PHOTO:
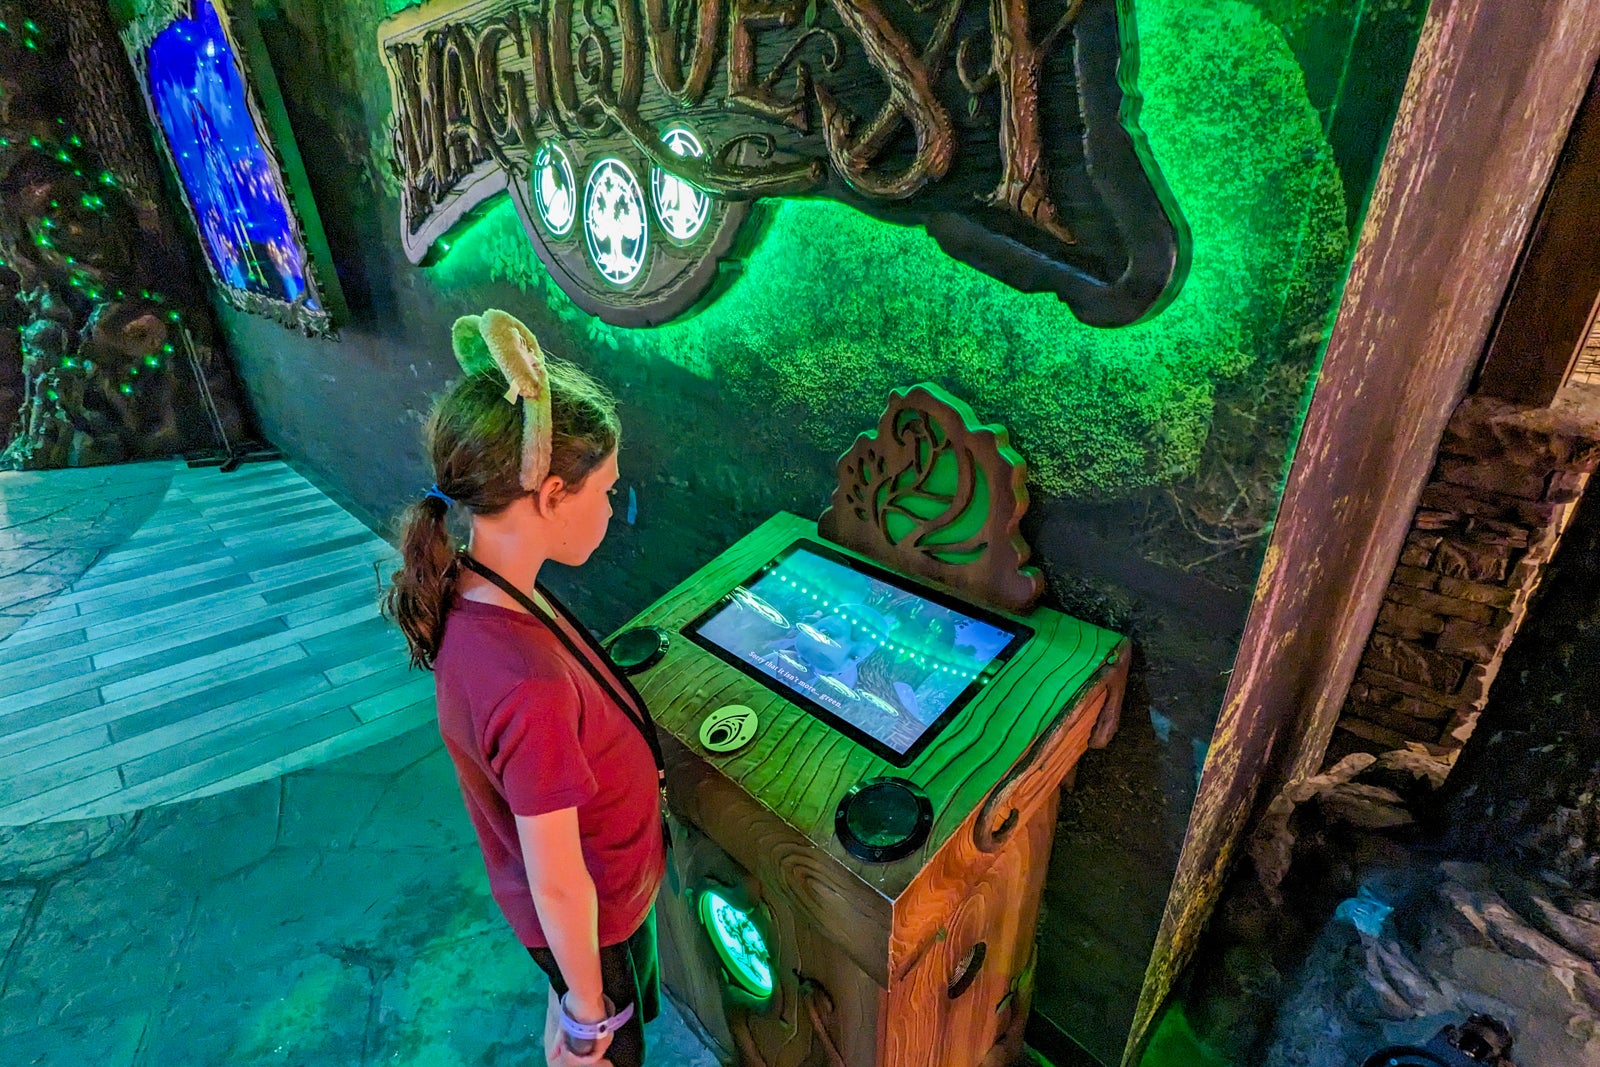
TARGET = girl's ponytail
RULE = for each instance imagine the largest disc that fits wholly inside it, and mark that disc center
(420, 592)
(474, 443)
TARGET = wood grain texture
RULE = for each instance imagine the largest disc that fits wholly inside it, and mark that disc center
(1000, 908)
(173, 671)
(925, 437)
(799, 768)
(864, 955)
(1485, 113)
(1553, 297)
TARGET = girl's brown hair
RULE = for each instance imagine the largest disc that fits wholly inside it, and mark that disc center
(474, 441)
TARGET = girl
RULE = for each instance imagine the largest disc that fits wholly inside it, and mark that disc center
(555, 752)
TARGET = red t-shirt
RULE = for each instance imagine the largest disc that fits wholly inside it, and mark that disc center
(530, 732)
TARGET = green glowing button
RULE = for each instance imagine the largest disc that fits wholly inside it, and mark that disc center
(739, 944)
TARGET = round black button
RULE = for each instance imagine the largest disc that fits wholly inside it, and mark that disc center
(883, 819)
(638, 649)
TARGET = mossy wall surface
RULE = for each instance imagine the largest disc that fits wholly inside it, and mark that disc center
(1156, 451)
(834, 309)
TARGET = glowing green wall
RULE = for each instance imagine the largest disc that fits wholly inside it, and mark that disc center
(836, 307)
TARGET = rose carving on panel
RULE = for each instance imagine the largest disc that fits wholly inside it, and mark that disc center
(934, 493)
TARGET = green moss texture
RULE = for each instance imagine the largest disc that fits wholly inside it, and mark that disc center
(833, 309)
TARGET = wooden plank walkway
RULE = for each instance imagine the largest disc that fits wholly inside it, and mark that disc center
(233, 637)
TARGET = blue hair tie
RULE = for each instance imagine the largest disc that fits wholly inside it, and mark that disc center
(433, 491)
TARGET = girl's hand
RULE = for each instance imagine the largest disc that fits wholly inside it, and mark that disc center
(556, 1052)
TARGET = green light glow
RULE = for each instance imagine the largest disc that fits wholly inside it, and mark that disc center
(739, 944)
(832, 309)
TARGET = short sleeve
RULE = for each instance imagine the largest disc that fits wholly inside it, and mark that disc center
(531, 745)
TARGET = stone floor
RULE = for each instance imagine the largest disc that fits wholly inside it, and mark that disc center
(334, 917)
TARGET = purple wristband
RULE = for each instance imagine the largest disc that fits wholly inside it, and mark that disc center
(594, 1031)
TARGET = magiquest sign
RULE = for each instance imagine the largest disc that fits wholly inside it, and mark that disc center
(636, 137)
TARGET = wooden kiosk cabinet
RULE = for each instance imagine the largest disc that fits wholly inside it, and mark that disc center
(788, 949)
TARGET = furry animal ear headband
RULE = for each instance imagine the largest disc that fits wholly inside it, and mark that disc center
(495, 339)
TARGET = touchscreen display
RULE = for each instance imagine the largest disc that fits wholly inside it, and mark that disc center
(885, 661)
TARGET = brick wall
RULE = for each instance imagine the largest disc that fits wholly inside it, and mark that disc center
(1504, 487)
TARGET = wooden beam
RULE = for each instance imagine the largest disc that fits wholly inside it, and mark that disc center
(1548, 313)
(1488, 106)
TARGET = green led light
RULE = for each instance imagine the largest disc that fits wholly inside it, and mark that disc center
(107, 178)
(173, 316)
(67, 361)
(52, 394)
(34, 141)
(125, 389)
(30, 25)
(152, 361)
(167, 348)
(75, 141)
(738, 943)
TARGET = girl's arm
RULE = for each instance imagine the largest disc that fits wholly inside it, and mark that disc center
(564, 899)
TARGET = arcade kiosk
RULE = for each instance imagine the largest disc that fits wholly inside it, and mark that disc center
(867, 724)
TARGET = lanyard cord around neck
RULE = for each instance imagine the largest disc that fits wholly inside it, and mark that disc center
(640, 718)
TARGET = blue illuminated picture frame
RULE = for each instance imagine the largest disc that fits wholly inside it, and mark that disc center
(204, 78)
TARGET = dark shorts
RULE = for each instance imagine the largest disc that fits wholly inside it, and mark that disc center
(629, 974)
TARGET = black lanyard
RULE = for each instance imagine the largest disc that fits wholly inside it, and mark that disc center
(637, 712)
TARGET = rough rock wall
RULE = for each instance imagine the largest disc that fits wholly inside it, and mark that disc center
(1503, 490)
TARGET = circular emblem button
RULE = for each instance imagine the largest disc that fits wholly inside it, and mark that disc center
(729, 728)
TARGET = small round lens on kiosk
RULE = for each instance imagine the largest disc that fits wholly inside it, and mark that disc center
(883, 819)
(738, 943)
(638, 649)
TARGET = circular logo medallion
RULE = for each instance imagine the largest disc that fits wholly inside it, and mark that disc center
(681, 208)
(729, 728)
(555, 192)
(614, 222)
